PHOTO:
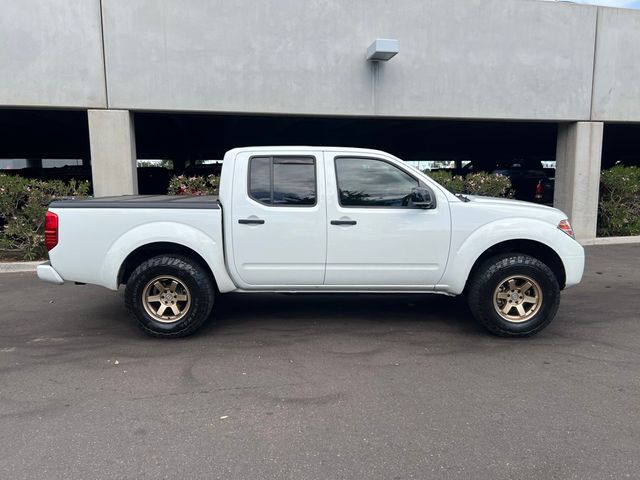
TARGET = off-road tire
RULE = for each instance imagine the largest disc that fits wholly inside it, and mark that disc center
(192, 274)
(489, 275)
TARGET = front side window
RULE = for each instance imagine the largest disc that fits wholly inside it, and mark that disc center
(283, 181)
(367, 182)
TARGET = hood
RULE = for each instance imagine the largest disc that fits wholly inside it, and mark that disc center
(507, 202)
(506, 207)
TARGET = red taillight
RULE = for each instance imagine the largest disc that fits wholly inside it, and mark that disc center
(565, 226)
(538, 193)
(50, 230)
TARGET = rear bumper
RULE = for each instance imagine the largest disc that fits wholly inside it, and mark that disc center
(47, 273)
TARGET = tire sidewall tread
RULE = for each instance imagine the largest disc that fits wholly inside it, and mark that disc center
(196, 278)
(486, 278)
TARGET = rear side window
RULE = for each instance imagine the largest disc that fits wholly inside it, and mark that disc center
(367, 182)
(283, 181)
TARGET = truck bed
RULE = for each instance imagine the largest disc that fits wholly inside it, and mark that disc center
(97, 234)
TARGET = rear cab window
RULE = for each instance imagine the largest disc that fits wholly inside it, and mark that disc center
(283, 181)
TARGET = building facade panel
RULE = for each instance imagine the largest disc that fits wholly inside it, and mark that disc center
(466, 59)
(616, 95)
(51, 54)
(240, 55)
(510, 59)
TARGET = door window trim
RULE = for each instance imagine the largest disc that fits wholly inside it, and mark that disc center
(396, 207)
(271, 163)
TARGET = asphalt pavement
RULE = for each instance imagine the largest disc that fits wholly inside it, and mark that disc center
(322, 387)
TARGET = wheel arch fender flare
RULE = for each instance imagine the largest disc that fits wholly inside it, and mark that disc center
(211, 250)
(490, 235)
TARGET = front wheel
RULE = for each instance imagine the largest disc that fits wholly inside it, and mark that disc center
(170, 296)
(513, 295)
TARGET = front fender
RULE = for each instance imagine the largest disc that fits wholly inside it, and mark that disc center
(171, 232)
(464, 256)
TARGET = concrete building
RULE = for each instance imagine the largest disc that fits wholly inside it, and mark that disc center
(514, 77)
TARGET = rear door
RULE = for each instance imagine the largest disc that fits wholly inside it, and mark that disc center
(278, 229)
(375, 237)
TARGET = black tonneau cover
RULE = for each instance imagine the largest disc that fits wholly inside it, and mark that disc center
(143, 201)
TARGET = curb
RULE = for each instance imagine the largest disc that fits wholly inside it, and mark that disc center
(16, 267)
(611, 240)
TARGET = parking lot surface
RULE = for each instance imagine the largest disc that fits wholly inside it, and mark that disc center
(322, 386)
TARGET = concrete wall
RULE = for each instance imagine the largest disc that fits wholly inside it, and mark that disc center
(472, 58)
(51, 53)
(616, 94)
(487, 59)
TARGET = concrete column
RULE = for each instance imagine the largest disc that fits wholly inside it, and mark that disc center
(578, 163)
(113, 152)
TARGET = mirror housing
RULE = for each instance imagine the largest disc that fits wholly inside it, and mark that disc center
(421, 197)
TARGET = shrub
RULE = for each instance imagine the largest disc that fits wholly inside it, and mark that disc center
(182, 185)
(453, 183)
(619, 207)
(23, 202)
(488, 184)
(480, 183)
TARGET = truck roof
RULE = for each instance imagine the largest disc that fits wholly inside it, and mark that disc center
(286, 148)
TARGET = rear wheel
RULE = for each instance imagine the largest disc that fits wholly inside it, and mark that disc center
(513, 295)
(170, 296)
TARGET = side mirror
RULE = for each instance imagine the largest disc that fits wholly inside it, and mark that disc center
(421, 198)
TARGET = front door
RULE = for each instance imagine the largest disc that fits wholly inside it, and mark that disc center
(375, 237)
(279, 219)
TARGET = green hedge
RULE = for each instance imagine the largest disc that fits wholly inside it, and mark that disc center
(23, 202)
(183, 185)
(619, 208)
(480, 183)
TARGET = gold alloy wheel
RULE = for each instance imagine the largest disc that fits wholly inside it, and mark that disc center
(166, 299)
(517, 298)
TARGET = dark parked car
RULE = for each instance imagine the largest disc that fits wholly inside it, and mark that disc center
(530, 180)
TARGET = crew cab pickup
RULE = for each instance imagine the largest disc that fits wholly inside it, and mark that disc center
(316, 219)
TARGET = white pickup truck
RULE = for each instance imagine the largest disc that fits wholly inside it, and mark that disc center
(316, 219)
